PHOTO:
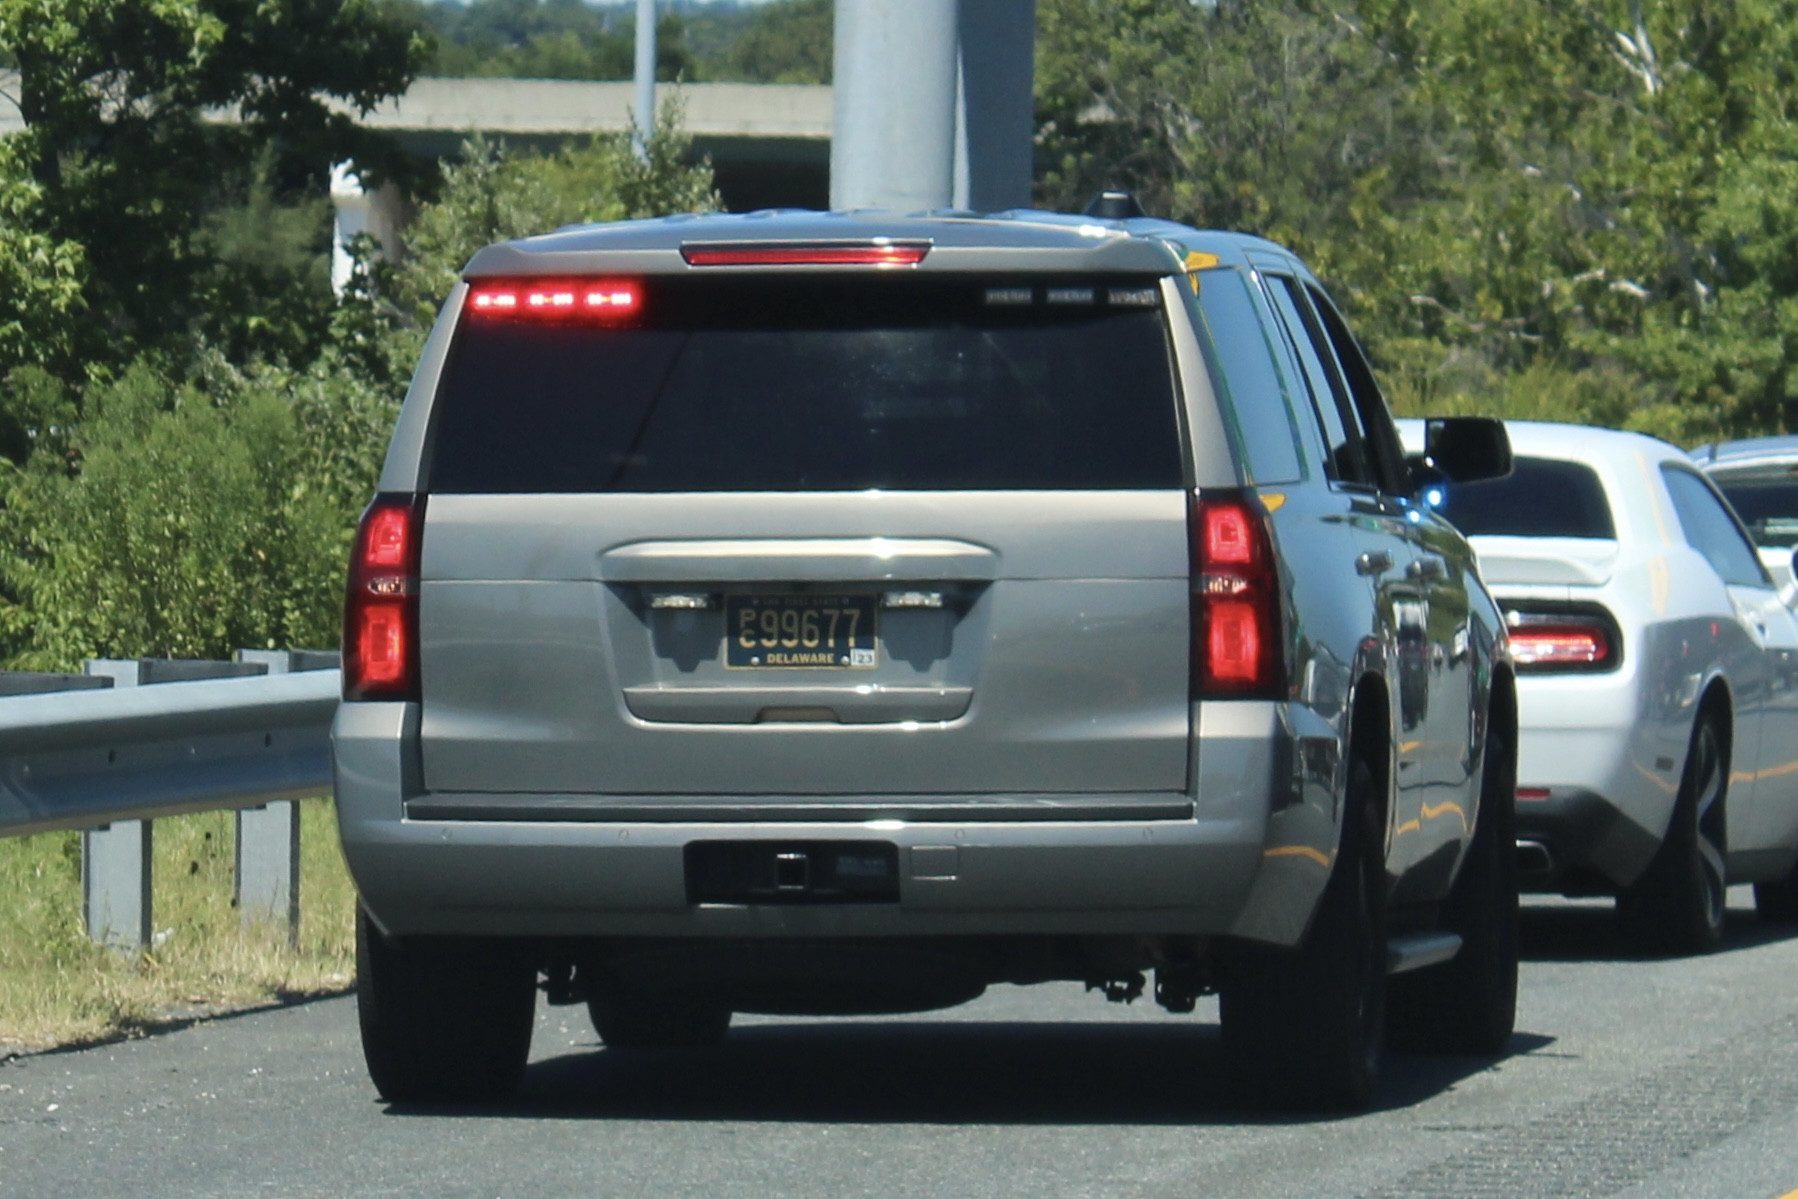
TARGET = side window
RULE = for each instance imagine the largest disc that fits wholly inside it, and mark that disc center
(1342, 435)
(1712, 529)
(1252, 383)
(1384, 450)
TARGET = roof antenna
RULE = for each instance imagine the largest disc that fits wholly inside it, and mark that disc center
(1115, 206)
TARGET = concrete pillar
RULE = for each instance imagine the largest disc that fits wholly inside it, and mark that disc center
(996, 110)
(893, 136)
(644, 113)
(376, 212)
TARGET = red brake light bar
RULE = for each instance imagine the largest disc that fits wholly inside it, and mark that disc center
(555, 299)
(811, 253)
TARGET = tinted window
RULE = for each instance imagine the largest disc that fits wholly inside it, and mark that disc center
(1541, 497)
(1341, 437)
(1379, 438)
(1769, 508)
(1711, 529)
(1251, 381)
(820, 384)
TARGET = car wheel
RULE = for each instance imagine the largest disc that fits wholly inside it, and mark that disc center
(1304, 1028)
(1469, 1004)
(1777, 902)
(444, 1019)
(1677, 906)
(627, 1019)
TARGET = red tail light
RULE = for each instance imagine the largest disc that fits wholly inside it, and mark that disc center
(380, 614)
(1543, 642)
(1236, 626)
(818, 253)
(555, 299)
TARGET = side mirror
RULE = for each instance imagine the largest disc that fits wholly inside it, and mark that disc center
(1466, 449)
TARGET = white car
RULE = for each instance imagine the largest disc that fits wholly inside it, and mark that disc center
(1759, 477)
(1657, 680)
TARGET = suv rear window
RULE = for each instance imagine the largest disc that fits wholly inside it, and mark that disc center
(1541, 497)
(820, 384)
(1768, 506)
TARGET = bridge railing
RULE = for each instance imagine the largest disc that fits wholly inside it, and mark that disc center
(110, 750)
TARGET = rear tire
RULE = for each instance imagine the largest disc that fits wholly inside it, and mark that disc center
(1777, 902)
(1303, 1028)
(444, 1019)
(1469, 1004)
(1676, 908)
(627, 1019)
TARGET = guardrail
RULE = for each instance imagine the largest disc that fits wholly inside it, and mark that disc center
(110, 750)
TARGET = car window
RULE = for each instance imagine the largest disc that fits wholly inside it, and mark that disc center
(820, 384)
(1541, 497)
(1712, 530)
(1252, 383)
(1347, 462)
(1768, 506)
(1384, 452)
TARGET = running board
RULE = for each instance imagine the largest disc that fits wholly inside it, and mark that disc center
(1414, 951)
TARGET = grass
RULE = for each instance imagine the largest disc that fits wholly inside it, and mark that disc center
(58, 988)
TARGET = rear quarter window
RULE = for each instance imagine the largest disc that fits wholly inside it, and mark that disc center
(821, 383)
(1541, 497)
(1256, 394)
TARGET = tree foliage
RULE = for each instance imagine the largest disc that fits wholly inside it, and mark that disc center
(1535, 207)
(125, 146)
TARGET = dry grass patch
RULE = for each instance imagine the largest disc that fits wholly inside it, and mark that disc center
(58, 988)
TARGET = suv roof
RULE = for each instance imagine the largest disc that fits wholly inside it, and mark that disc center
(1022, 239)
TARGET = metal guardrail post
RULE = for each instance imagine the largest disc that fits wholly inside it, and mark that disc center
(115, 858)
(268, 838)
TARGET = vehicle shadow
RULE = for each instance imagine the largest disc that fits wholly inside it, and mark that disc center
(947, 1072)
(1556, 930)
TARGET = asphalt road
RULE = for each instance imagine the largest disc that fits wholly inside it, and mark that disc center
(1627, 1078)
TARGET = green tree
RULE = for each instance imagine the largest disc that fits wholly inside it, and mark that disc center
(789, 41)
(122, 102)
(41, 276)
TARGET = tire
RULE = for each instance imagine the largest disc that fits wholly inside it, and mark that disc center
(1304, 1028)
(1777, 902)
(444, 1019)
(626, 1019)
(1676, 907)
(1469, 1005)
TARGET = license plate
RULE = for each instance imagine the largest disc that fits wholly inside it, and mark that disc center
(830, 632)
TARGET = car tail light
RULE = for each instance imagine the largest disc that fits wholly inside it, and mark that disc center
(812, 253)
(1236, 625)
(555, 299)
(380, 613)
(1543, 642)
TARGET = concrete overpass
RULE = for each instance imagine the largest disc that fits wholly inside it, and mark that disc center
(769, 143)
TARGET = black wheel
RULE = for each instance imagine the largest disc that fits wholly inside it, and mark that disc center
(1777, 902)
(1469, 1004)
(1677, 906)
(444, 1019)
(629, 1019)
(1304, 1028)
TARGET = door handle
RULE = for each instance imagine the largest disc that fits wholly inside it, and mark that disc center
(1426, 568)
(1373, 562)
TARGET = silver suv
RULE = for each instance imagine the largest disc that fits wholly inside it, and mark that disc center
(812, 613)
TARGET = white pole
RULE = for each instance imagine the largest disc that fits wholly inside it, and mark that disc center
(893, 135)
(645, 112)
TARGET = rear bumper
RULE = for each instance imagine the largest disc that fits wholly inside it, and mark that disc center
(1230, 864)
